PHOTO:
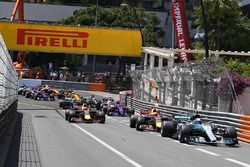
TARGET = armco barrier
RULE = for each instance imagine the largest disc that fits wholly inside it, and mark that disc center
(65, 84)
(240, 122)
(244, 129)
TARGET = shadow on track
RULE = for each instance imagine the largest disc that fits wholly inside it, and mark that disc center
(13, 153)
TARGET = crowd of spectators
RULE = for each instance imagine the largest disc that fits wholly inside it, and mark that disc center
(76, 76)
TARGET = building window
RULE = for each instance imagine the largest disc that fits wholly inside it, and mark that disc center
(165, 62)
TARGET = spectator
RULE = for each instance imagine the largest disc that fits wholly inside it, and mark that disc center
(83, 77)
(61, 76)
(78, 76)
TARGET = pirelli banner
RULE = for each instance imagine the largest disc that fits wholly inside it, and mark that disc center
(69, 39)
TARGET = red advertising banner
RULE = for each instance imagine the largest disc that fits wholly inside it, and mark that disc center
(181, 28)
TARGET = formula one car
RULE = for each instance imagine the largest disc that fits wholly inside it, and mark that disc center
(192, 129)
(38, 95)
(93, 102)
(21, 89)
(147, 119)
(50, 91)
(69, 100)
(64, 93)
(28, 92)
(67, 103)
(25, 90)
(105, 104)
(84, 114)
(119, 110)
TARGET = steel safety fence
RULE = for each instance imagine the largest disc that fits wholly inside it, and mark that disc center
(202, 84)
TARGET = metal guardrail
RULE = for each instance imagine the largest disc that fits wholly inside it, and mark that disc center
(64, 84)
(240, 122)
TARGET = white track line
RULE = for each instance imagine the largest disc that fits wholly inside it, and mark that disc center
(238, 162)
(176, 141)
(127, 124)
(123, 156)
(207, 152)
(186, 145)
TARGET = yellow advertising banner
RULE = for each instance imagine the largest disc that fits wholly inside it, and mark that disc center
(69, 39)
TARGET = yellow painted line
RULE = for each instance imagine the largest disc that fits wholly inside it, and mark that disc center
(34, 105)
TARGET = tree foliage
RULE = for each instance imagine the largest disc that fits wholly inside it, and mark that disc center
(120, 18)
(241, 66)
(227, 28)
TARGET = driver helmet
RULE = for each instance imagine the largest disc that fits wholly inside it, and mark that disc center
(84, 106)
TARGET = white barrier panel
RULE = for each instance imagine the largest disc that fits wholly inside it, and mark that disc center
(8, 78)
(30, 82)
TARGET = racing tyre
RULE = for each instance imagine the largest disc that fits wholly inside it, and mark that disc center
(168, 128)
(70, 119)
(101, 117)
(52, 98)
(66, 116)
(231, 133)
(184, 134)
(132, 121)
(140, 121)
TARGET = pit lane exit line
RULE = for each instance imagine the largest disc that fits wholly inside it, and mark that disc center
(123, 156)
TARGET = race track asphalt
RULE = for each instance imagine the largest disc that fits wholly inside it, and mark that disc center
(44, 138)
